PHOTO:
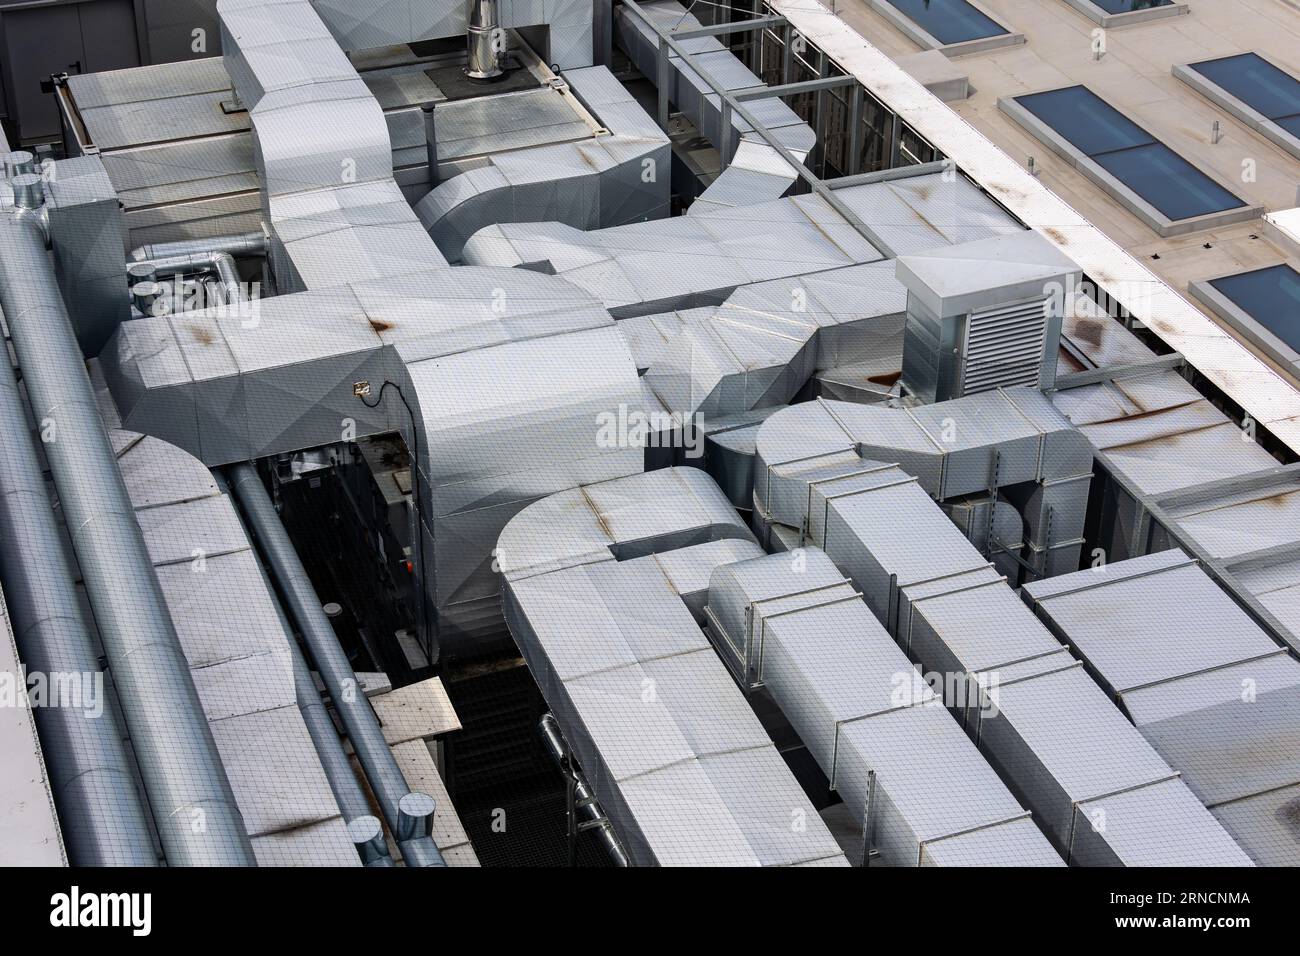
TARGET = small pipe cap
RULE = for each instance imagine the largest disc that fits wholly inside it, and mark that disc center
(29, 192)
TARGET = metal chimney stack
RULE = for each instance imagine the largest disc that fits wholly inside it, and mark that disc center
(485, 40)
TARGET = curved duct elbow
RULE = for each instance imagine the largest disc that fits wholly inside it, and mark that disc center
(619, 175)
(1011, 440)
(598, 593)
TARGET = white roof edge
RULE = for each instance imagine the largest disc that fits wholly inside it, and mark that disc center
(1269, 398)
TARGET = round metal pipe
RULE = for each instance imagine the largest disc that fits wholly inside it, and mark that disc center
(483, 38)
(29, 191)
(17, 162)
(238, 244)
(320, 726)
(140, 272)
(144, 295)
(430, 143)
(92, 775)
(222, 263)
(367, 835)
(415, 816)
(198, 820)
(304, 608)
(558, 748)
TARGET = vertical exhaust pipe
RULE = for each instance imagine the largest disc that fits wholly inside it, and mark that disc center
(486, 40)
(431, 144)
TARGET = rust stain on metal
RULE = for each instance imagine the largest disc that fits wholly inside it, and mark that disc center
(201, 335)
(1089, 330)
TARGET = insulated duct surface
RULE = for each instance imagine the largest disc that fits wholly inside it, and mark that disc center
(599, 602)
(1098, 790)
(791, 623)
(620, 175)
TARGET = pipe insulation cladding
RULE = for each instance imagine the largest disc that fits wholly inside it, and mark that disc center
(354, 710)
(199, 823)
(104, 819)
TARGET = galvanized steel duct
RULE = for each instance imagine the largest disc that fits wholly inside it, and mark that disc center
(331, 663)
(92, 775)
(688, 261)
(1209, 688)
(198, 820)
(620, 175)
(1013, 440)
(239, 244)
(923, 793)
(1056, 740)
(752, 171)
(322, 149)
(222, 263)
(601, 586)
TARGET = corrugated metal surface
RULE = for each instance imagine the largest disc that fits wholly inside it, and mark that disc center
(1004, 347)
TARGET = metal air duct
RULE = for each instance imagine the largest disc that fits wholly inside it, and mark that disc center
(104, 820)
(1099, 790)
(598, 585)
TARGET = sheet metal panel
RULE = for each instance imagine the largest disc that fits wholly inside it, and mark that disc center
(857, 703)
(679, 761)
(1159, 825)
(1212, 692)
(233, 637)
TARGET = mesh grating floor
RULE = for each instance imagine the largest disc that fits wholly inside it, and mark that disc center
(508, 792)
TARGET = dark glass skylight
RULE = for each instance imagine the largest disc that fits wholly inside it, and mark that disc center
(1257, 83)
(1269, 296)
(1129, 153)
(1128, 6)
(949, 21)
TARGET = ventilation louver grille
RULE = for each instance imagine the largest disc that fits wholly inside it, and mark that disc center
(1004, 347)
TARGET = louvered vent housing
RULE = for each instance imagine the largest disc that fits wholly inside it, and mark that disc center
(983, 315)
(1004, 347)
